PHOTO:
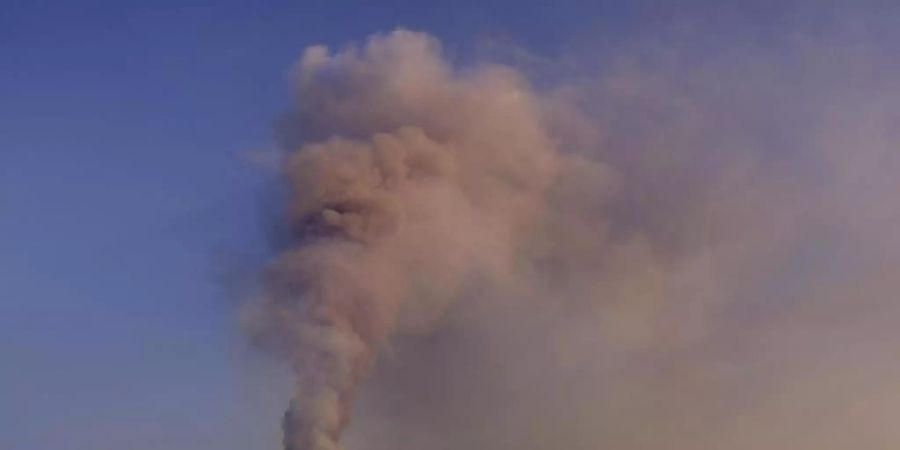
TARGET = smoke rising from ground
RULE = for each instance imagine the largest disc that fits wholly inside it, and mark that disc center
(660, 256)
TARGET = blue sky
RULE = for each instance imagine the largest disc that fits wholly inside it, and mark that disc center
(124, 127)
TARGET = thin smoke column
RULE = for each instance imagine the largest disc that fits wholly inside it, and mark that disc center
(412, 185)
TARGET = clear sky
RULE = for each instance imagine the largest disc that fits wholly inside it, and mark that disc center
(126, 197)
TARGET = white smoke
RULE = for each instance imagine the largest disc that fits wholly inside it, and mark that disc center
(663, 257)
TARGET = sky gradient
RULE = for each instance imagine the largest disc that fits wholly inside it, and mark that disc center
(130, 197)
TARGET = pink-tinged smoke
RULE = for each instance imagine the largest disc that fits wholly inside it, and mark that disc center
(654, 257)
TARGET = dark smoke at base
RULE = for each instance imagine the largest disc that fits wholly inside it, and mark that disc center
(665, 256)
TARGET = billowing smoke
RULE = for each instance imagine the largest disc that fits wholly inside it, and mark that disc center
(432, 185)
(658, 256)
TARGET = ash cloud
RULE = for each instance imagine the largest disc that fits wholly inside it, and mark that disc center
(670, 253)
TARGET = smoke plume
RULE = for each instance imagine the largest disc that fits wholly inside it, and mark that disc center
(674, 253)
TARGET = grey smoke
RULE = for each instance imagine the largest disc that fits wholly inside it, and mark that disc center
(660, 256)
